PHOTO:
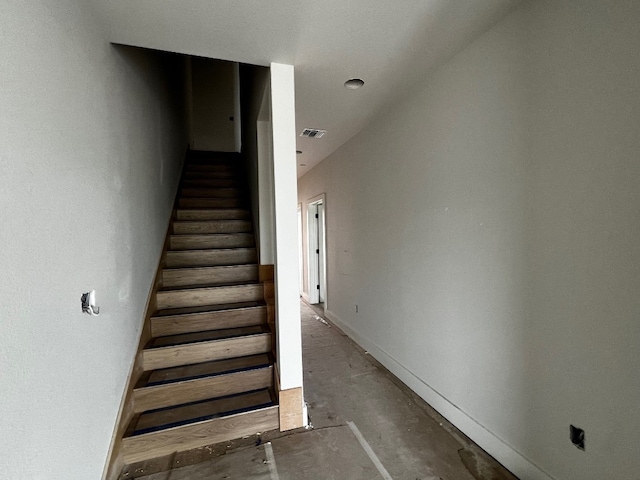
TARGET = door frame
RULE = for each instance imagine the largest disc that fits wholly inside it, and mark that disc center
(316, 245)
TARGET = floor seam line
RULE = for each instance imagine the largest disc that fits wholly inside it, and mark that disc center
(271, 462)
(367, 448)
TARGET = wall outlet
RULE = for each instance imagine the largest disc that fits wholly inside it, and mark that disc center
(577, 436)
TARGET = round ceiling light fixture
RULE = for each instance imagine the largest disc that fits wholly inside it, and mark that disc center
(354, 83)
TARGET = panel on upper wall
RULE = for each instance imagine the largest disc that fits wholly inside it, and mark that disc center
(215, 121)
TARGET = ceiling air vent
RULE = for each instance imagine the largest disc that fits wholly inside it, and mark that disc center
(312, 133)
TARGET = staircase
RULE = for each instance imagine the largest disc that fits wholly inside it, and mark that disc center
(208, 373)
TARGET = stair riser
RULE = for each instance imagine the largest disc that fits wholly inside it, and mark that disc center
(217, 169)
(210, 202)
(222, 214)
(211, 167)
(209, 276)
(202, 242)
(210, 182)
(196, 297)
(167, 357)
(166, 442)
(150, 398)
(208, 258)
(200, 322)
(191, 175)
(213, 226)
(212, 192)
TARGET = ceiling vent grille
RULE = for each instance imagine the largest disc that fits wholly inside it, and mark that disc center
(312, 133)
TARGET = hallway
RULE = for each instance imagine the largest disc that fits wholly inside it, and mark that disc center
(364, 426)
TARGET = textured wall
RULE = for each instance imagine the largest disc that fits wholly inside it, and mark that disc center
(91, 142)
(487, 228)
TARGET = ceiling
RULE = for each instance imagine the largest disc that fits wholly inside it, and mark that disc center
(391, 45)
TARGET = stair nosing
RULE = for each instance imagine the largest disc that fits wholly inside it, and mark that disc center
(230, 413)
(201, 342)
(183, 381)
(209, 287)
(205, 312)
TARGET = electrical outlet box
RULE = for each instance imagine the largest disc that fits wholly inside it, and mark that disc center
(577, 436)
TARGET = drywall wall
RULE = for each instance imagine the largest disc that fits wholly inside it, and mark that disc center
(257, 155)
(91, 144)
(216, 105)
(283, 124)
(487, 229)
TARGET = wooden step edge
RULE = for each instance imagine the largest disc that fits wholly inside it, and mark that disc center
(194, 252)
(209, 295)
(165, 442)
(208, 287)
(197, 389)
(166, 376)
(177, 355)
(165, 325)
(239, 266)
(213, 275)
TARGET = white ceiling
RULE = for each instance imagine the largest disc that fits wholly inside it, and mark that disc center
(391, 44)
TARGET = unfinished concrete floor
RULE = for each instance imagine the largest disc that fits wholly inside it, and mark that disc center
(365, 425)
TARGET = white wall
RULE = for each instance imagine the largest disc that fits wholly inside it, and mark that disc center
(487, 228)
(283, 124)
(216, 99)
(90, 152)
(258, 156)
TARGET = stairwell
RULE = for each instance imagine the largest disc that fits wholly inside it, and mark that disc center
(207, 370)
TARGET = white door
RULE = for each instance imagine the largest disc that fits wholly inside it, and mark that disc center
(300, 249)
(321, 254)
(317, 257)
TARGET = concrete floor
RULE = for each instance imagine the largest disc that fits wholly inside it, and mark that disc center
(365, 425)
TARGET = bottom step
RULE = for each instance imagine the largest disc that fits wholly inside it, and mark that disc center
(163, 432)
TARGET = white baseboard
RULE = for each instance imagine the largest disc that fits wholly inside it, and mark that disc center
(487, 440)
(305, 297)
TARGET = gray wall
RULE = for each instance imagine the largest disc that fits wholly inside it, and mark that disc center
(487, 228)
(216, 98)
(91, 143)
(253, 81)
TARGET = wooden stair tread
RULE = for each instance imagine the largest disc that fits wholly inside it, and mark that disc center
(185, 214)
(210, 174)
(212, 275)
(210, 269)
(206, 336)
(203, 387)
(210, 257)
(187, 202)
(206, 351)
(206, 167)
(211, 182)
(216, 430)
(199, 370)
(180, 415)
(210, 240)
(212, 226)
(209, 295)
(206, 309)
(207, 250)
(199, 319)
(206, 286)
(212, 192)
